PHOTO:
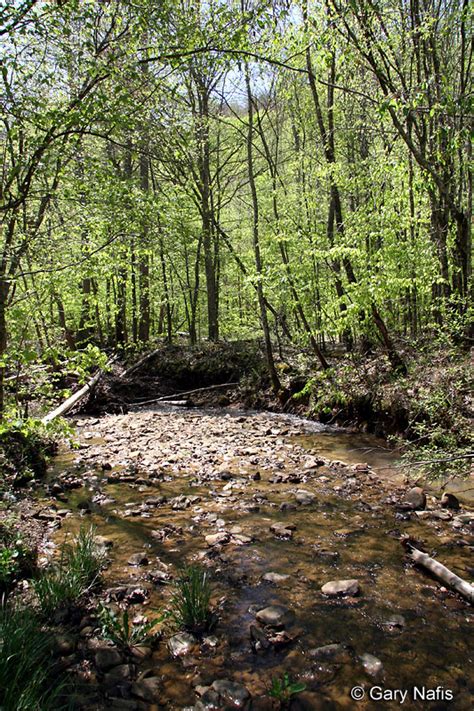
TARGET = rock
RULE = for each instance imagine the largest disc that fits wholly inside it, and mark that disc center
(181, 644)
(134, 596)
(103, 542)
(209, 700)
(241, 539)
(449, 501)
(258, 638)
(138, 559)
(141, 652)
(338, 653)
(283, 530)
(372, 665)
(107, 658)
(465, 518)
(231, 691)
(274, 616)
(122, 672)
(158, 577)
(339, 588)
(148, 689)
(304, 498)
(275, 578)
(256, 476)
(155, 500)
(287, 506)
(394, 622)
(64, 645)
(415, 499)
(118, 704)
(218, 539)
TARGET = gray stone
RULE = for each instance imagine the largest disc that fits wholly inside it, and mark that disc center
(217, 539)
(122, 672)
(231, 691)
(415, 498)
(372, 665)
(338, 588)
(147, 689)
(181, 644)
(275, 578)
(107, 658)
(304, 498)
(394, 621)
(283, 530)
(138, 559)
(274, 616)
(338, 653)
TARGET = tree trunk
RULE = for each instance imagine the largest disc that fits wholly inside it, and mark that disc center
(275, 381)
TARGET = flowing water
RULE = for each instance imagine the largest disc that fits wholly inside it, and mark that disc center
(350, 531)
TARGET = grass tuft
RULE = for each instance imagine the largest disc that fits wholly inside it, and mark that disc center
(190, 606)
(28, 679)
(77, 571)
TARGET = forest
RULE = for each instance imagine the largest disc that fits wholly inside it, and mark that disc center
(235, 260)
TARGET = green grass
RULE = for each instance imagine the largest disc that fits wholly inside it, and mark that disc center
(283, 690)
(190, 606)
(28, 679)
(118, 629)
(77, 571)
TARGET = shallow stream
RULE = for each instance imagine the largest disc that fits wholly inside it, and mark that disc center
(244, 470)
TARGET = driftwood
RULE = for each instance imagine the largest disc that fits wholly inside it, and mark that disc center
(139, 363)
(441, 572)
(177, 396)
(75, 397)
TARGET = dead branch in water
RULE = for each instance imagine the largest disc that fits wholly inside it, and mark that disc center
(440, 571)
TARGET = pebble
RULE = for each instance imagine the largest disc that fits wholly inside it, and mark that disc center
(138, 559)
(372, 665)
(339, 588)
(148, 689)
(275, 578)
(106, 658)
(415, 498)
(274, 616)
(338, 653)
(181, 644)
(231, 691)
(304, 498)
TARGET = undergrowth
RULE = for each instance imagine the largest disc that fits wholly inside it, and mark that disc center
(29, 680)
(77, 571)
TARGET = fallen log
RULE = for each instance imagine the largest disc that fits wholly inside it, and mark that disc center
(75, 397)
(441, 572)
(164, 398)
(140, 363)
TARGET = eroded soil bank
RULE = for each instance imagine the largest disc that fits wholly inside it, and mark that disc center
(250, 497)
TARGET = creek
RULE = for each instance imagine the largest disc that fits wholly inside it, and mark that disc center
(168, 487)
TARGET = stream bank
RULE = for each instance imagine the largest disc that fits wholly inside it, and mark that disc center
(251, 497)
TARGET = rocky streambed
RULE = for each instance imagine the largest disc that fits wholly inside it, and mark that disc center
(309, 577)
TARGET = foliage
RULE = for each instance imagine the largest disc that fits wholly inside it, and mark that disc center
(76, 572)
(28, 678)
(283, 689)
(16, 556)
(121, 631)
(27, 443)
(190, 605)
